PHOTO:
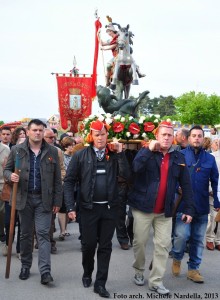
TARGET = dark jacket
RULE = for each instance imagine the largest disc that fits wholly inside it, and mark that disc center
(146, 167)
(203, 171)
(51, 185)
(82, 170)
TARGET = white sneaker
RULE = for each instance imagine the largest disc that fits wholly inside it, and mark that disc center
(160, 289)
(139, 279)
(5, 250)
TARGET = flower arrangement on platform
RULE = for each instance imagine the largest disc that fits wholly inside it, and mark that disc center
(123, 127)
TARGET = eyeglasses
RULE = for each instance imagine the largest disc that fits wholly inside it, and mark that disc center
(50, 137)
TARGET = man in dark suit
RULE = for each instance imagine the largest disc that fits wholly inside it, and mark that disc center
(96, 169)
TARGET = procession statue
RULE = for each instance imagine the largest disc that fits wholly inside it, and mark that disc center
(122, 69)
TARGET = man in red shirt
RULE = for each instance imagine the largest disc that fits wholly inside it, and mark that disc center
(158, 170)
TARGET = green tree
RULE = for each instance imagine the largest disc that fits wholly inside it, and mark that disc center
(163, 106)
(145, 107)
(153, 105)
(1, 123)
(198, 108)
(166, 106)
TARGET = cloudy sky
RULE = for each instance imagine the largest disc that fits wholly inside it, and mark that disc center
(176, 43)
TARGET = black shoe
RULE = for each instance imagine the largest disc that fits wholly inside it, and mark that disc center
(86, 281)
(124, 246)
(25, 273)
(3, 238)
(101, 291)
(53, 250)
(171, 254)
(46, 278)
(140, 75)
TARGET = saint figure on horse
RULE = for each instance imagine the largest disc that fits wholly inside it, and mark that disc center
(122, 66)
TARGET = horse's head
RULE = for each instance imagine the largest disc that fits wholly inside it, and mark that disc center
(123, 36)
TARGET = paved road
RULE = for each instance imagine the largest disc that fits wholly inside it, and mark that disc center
(67, 273)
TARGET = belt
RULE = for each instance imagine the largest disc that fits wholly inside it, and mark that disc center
(34, 192)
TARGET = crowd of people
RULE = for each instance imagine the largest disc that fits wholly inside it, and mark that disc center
(170, 185)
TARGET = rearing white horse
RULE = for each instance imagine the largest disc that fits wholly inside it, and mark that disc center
(125, 67)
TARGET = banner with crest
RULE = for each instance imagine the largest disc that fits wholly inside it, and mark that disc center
(75, 101)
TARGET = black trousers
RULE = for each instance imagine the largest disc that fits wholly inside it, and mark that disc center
(7, 225)
(121, 229)
(98, 226)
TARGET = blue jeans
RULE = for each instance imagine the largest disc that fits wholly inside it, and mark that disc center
(194, 233)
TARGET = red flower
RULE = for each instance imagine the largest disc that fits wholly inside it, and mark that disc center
(81, 127)
(134, 128)
(148, 126)
(106, 154)
(118, 127)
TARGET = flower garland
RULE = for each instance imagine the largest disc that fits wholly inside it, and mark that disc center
(123, 127)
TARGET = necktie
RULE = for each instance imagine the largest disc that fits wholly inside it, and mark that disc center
(99, 154)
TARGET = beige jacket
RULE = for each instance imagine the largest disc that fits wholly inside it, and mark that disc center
(61, 159)
(4, 153)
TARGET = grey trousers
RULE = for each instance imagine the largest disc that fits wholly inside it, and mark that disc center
(34, 214)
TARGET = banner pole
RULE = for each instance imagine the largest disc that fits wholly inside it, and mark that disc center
(12, 219)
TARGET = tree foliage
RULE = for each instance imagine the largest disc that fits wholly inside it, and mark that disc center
(198, 108)
(163, 106)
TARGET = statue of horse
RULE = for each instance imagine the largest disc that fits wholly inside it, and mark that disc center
(111, 104)
(124, 66)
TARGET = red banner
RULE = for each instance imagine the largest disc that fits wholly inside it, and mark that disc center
(98, 25)
(75, 101)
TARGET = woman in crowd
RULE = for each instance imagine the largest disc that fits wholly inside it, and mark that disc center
(67, 144)
(213, 228)
(18, 135)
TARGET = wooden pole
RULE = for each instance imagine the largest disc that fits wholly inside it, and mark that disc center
(12, 225)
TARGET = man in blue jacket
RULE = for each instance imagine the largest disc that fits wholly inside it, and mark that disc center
(202, 167)
(158, 170)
